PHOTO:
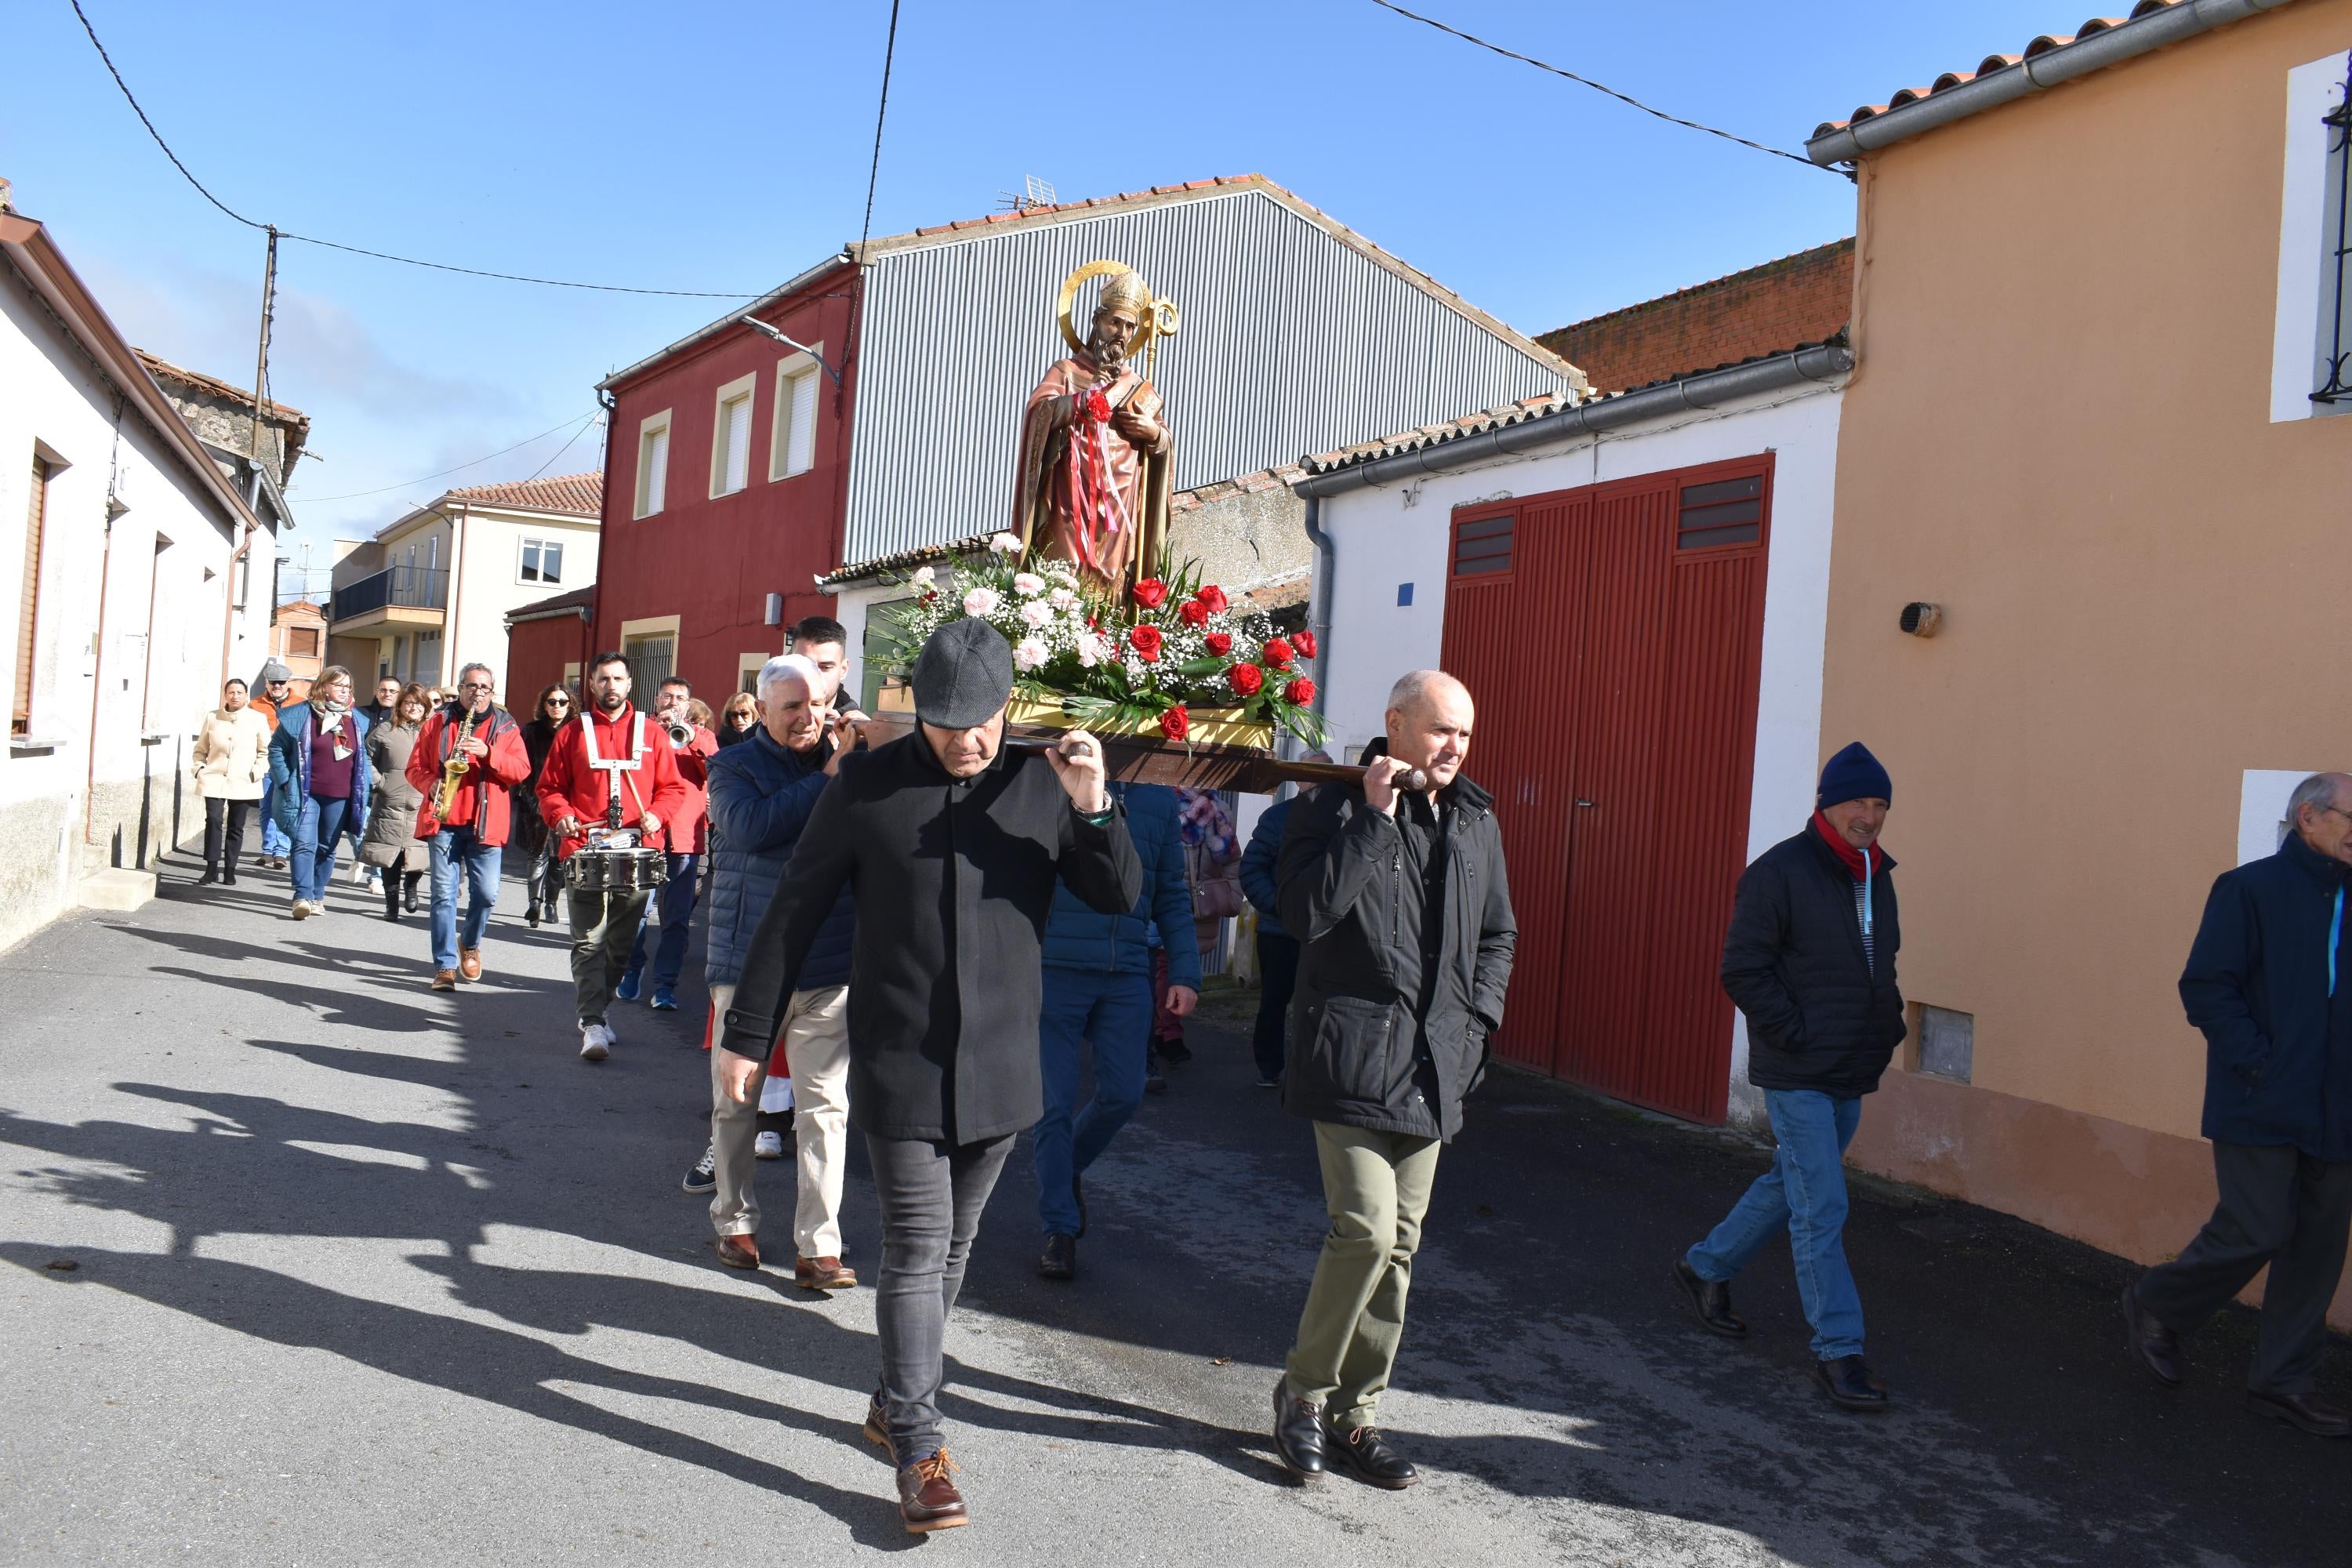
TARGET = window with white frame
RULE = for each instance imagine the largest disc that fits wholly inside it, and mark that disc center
(652, 463)
(2311, 355)
(731, 436)
(791, 449)
(543, 561)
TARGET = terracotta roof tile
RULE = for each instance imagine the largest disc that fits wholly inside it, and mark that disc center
(583, 494)
(2041, 43)
(158, 366)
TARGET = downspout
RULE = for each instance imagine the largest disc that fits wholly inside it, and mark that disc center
(457, 580)
(98, 682)
(1319, 614)
(593, 611)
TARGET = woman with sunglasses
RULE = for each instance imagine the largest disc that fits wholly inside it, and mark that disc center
(549, 714)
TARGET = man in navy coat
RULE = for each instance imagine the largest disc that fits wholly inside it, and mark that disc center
(2270, 982)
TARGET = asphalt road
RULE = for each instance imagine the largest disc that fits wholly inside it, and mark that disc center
(300, 1263)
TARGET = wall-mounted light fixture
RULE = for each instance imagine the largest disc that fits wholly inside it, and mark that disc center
(1921, 618)
(775, 609)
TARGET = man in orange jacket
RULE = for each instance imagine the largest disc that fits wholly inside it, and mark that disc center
(475, 733)
(606, 770)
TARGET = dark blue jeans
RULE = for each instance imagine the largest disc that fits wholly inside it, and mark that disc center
(317, 833)
(457, 850)
(670, 915)
(1803, 1194)
(1277, 975)
(1112, 1013)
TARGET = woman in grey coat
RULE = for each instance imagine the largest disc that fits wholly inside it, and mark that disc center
(390, 840)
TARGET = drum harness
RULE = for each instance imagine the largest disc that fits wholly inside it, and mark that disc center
(614, 770)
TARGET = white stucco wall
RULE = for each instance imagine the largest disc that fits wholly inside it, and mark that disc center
(488, 580)
(58, 815)
(1397, 534)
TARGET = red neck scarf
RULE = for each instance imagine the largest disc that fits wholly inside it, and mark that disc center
(1853, 858)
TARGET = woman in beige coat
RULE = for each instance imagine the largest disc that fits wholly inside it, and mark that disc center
(231, 758)
(390, 840)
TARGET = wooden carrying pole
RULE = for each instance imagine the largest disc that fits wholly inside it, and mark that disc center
(1138, 759)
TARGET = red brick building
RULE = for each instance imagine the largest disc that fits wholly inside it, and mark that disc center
(1800, 298)
(547, 644)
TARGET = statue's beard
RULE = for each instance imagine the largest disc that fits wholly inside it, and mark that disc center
(1105, 351)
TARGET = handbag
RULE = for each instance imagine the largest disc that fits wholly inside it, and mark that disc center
(1216, 889)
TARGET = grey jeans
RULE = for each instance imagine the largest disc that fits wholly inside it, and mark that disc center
(603, 927)
(931, 1195)
(2279, 1207)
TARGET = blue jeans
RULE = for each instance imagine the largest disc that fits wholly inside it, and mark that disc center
(273, 838)
(457, 849)
(1113, 1013)
(1804, 1195)
(672, 910)
(318, 834)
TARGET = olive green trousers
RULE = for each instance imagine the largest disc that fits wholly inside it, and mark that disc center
(1376, 1186)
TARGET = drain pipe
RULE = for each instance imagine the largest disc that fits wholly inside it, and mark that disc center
(1319, 613)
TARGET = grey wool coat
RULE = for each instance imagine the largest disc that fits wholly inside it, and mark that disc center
(392, 821)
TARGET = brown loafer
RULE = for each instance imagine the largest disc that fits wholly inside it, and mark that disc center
(822, 1274)
(876, 1429)
(739, 1251)
(928, 1499)
(469, 963)
(444, 980)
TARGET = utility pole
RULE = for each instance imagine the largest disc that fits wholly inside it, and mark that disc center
(241, 559)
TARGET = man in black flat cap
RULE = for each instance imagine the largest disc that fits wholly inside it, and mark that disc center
(951, 845)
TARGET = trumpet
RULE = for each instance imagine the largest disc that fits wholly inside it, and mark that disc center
(453, 772)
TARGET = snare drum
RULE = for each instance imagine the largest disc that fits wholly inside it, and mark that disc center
(615, 870)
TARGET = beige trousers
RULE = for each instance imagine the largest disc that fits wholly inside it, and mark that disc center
(817, 1047)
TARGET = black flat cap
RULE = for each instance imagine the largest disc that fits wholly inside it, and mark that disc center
(963, 675)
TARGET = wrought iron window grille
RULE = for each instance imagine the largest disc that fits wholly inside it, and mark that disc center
(2339, 156)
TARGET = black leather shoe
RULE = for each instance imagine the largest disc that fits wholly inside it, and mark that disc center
(2307, 1411)
(1849, 1384)
(1710, 1300)
(1370, 1458)
(1060, 1258)
(1297, 1433)
(2152, 1344)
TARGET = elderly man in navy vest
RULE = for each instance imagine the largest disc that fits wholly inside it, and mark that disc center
(1810, 960)
(2269, 982)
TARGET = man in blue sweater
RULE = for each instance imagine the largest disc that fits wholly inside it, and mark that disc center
(1277, 949)
(761, 793)
(2269, 982)
(1097, 992)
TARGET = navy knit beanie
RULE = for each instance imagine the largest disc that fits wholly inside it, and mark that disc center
(1855, 775)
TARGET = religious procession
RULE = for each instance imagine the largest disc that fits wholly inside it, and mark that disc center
(1210, 726)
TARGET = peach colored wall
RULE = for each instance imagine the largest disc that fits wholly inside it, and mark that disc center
(2060, 431)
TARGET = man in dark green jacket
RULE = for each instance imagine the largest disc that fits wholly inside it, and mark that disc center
(952, 845)
(1396, 892)
(2269, 982)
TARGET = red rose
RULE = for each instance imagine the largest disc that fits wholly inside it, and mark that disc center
(1175, 723)
(1277, 653)
(1245, 679)
(1193, 613)
(1305, 643)
(1211, 598)
(1150, 593)
(1146, 642)
(1302, 691)
(930, 594)
(1219, 643)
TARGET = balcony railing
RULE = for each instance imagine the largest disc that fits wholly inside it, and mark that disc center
(410, 587)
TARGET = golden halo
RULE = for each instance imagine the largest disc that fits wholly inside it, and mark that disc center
(1144, 329)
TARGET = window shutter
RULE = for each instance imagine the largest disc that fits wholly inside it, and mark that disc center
(739, 446)
(800, 456)
(20, 709)
(653, 468)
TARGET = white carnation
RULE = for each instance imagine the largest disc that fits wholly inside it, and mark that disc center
(924, 578)
(1005, 543)
(1029, 653)
(1038, 613)
(1028, 584)
(981, 602)
(1063, 599)
(1093, 649)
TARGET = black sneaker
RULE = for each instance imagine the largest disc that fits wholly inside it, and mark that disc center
(704, 1177)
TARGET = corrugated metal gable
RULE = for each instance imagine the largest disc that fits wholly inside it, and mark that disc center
(956, 334)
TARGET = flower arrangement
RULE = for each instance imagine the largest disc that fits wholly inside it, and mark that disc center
(1171, 647)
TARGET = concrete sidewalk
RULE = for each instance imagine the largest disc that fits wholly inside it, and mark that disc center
(304, 1264)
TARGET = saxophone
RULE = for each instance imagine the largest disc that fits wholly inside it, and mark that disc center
(453, 772)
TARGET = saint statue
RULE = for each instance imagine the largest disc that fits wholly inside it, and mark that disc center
(1093, 482)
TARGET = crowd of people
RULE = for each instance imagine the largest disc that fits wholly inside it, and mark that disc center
(939, 941)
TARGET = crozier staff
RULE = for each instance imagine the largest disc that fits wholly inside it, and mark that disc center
(605, 770)
(952, 847)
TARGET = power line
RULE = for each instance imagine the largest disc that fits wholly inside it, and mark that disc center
(561, 450)
(874, 170)
(543, 435)
(189, 175)
(1597, 87)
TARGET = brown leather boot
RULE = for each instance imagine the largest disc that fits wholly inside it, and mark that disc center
(928, 1499)
(469, 963)
(822, 1274)
(444, 980)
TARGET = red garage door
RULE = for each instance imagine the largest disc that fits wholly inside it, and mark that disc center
(1610, 636)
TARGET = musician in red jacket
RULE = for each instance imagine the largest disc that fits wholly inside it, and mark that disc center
(607, 769)
(483, 740)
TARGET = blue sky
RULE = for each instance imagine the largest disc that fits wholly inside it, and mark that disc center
(724, 146)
